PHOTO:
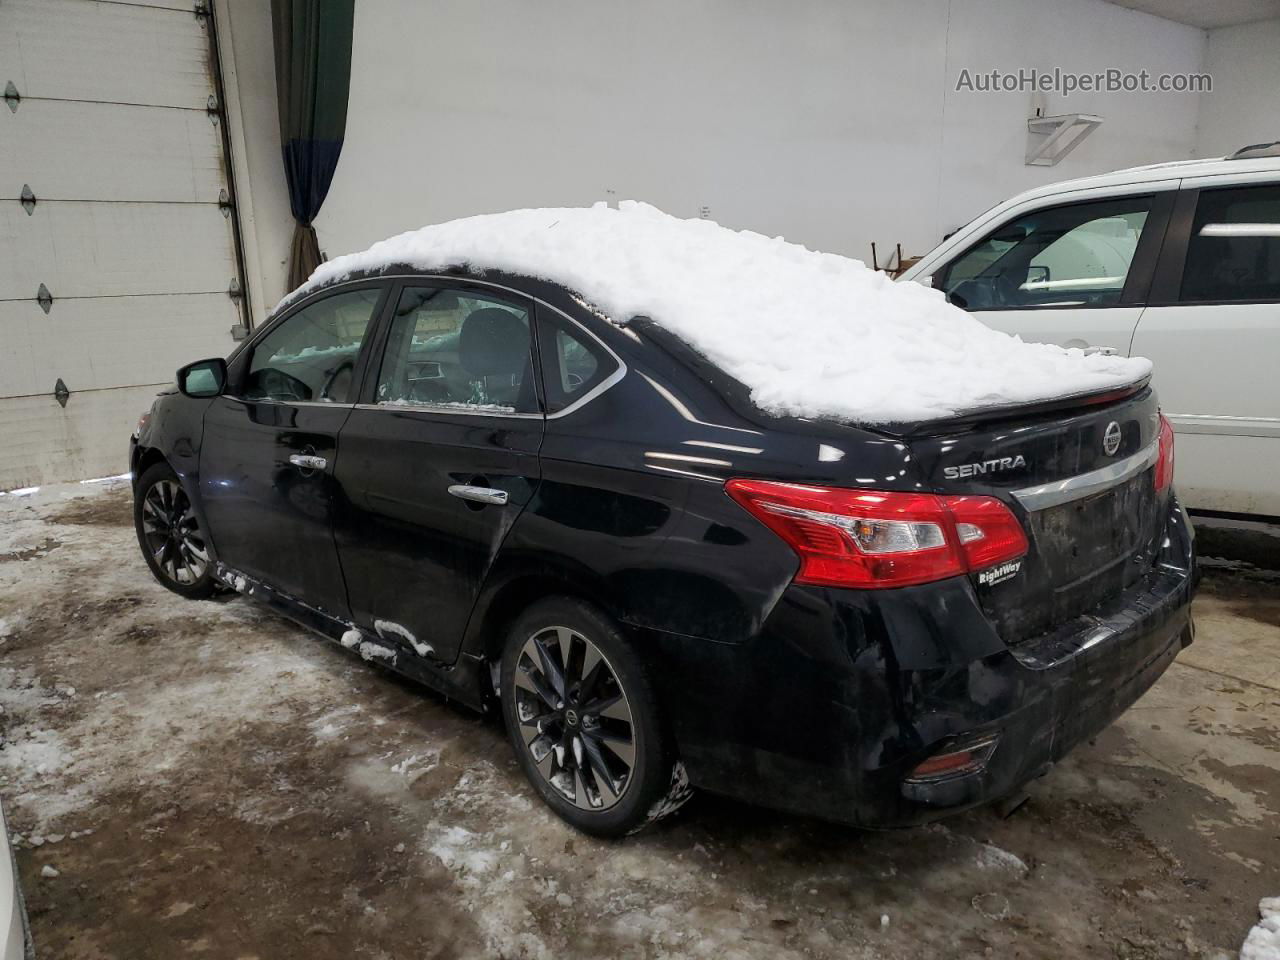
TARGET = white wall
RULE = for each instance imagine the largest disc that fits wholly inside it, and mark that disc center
(1243, 106)
(831, 122)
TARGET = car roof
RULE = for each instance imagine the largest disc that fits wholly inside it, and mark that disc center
(1154, 172)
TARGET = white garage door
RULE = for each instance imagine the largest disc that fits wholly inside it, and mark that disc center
(119, 271)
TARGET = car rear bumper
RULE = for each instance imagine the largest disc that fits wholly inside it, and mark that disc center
(842, 694)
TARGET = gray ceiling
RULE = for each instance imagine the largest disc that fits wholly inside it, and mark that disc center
(1207, 14)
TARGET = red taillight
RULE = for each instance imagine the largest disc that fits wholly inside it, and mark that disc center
(1164, 462)
(868, 538)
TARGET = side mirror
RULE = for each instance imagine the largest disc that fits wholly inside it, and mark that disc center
(203, 379)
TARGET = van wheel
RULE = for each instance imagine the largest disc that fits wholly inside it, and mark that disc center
(169, 533)
(584, 721)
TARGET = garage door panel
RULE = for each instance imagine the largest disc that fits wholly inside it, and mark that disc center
(126, 53)
(47, 443)
(114, 249)
(182, 5)
(139, 153)
(109, 342)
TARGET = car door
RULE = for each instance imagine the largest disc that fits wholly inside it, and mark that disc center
(438, 460)
(269, 449)
(1213, 332)
(1075, 274)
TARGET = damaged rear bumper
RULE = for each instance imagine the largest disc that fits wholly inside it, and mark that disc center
(833, 707)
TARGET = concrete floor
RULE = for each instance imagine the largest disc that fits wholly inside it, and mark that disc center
(208, 779)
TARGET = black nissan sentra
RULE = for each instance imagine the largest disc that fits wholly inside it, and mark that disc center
(665, 570)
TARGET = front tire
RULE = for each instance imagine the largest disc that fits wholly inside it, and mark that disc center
(584, 721)
(169, 533)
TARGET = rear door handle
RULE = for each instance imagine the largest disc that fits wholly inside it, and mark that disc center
(478, 494)
(1104, 351)
(306, 461)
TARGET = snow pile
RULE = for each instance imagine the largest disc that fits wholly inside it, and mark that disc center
(1263, 942)
(811, 334)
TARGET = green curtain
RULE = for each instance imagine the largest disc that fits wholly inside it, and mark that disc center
(313, 74)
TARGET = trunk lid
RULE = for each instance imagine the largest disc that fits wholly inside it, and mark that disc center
(1079, 475)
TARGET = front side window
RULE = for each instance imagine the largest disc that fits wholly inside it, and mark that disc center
(1234, 249)
(1071, 256)
(458, 349)
(311, 356)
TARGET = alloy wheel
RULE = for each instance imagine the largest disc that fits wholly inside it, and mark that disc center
(575, 719)
(173, 534)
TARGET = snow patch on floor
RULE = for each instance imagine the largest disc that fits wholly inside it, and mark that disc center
(1263, 941)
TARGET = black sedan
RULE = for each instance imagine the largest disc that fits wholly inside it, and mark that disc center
(476, 481)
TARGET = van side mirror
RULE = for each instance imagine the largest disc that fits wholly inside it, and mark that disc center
(203, 379)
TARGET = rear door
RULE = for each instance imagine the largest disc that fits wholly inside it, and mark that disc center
(1213, 331)
(1075, 274)
(270, 446)
(438, 461)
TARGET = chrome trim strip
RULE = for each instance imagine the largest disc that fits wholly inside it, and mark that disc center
(1086, 484)
(1265, 427)
(586, 398)
(460, 409)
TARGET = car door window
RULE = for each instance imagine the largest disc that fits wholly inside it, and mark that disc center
(460, 350)
(573, 362)
(1233, 253)
(311, 356)
(1068, 256)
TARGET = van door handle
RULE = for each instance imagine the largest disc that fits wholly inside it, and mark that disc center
(1104, 351)
(306, 461)
(478, 494)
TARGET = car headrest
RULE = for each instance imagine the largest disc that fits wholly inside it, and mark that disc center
(493, 342)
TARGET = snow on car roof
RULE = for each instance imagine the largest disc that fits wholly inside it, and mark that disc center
(809, 334)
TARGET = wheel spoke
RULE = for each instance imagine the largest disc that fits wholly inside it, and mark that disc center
(624, 750)
(613, 706)
(528, 678)
(593, 668)
(552, 670)
(573, 649)
(599, 767)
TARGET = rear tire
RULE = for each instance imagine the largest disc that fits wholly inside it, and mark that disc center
(170, 536)
(584, 721)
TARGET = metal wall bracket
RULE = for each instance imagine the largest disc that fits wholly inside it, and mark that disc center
(44, 298)
(61, 393)
(239, 331)
(28, 199)
(12, 97)
(233, 290)
(212, 108)
(224, 202)
(1052, 138)
(200, 9)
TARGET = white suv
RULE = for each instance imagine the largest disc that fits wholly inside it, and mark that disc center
(1178, 262)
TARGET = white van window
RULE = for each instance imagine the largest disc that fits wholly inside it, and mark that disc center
(1234, 251)
(1070, 256)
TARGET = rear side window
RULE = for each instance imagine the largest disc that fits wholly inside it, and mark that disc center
(310, 357)
(573, 362)
(456, 349)
(1234, 249)
(1070, 256)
